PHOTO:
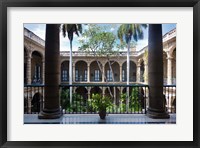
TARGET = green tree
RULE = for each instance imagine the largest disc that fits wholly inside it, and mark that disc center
(99, 41)
(127, 32)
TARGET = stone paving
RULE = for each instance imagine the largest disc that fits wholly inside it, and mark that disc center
(94, 119)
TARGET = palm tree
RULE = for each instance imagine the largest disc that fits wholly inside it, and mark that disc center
(126, 32)
(70, 29)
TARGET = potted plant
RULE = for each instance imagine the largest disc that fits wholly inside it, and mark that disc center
(100, 104)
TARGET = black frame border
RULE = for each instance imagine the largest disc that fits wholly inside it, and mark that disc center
(4, 4)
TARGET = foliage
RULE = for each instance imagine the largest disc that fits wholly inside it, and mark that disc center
(78, 104)
(98, 40)
(99, 103)
(127, 31)
(70, 29)
(135, 101)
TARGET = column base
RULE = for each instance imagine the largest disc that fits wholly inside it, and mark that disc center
(50, 114)
(156, 114)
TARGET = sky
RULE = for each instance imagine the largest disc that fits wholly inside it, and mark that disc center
(39, 30)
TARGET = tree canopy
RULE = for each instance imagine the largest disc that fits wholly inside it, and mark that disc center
(98, 40)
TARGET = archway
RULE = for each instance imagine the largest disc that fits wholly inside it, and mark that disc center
(95, 71)
(115, 69)
(36, 67)
(114, 94)
(65, 71)
(82, 91)
(132, 76)
(80, 71)
(35, 103)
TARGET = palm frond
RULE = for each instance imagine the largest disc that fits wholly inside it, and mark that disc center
(64, 30)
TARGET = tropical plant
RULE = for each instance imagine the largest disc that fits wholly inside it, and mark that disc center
(99, 103)
(78, 105)
(136, 100)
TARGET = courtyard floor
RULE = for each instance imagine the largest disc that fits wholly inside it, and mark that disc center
(95, 119)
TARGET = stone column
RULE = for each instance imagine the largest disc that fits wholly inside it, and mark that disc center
(52, 72)
(103, 72)
(28, 69)
(88, 72)
(29, 104)
(138, 72)
(73, 73)
(89, 92)
(156, 107)
(120, 73)
(145, 72)
(169, 70)
(43, 71)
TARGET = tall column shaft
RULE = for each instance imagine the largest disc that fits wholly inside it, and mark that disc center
(138, 73)
(52, 72)
(120, 75)
(88, 73)
(28, 70)
(73, 73)
(103, 73)
(43, 71)
(145, 73)
(155, 72)
(169, 70)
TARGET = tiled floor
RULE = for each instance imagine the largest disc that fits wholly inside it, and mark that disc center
(94, 119)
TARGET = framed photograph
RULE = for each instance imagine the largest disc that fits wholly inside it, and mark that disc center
(105, 73)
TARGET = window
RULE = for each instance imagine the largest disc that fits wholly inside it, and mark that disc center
(123, 75)
(96, 75)
(76, 75)
(109, 75)
(37, 75)
(85, 75)
(64, 75)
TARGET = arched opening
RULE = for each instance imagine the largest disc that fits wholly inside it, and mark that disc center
(114, 94)
(82, 91)
(95, 72)
(81, 98)
(36, 68)
(132, 76)
(112, 72)
(65, 71)
(35, 103)
(80, 71)
(95, 90)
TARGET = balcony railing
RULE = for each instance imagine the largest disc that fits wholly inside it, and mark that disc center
(81, 98)
(83, 93)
